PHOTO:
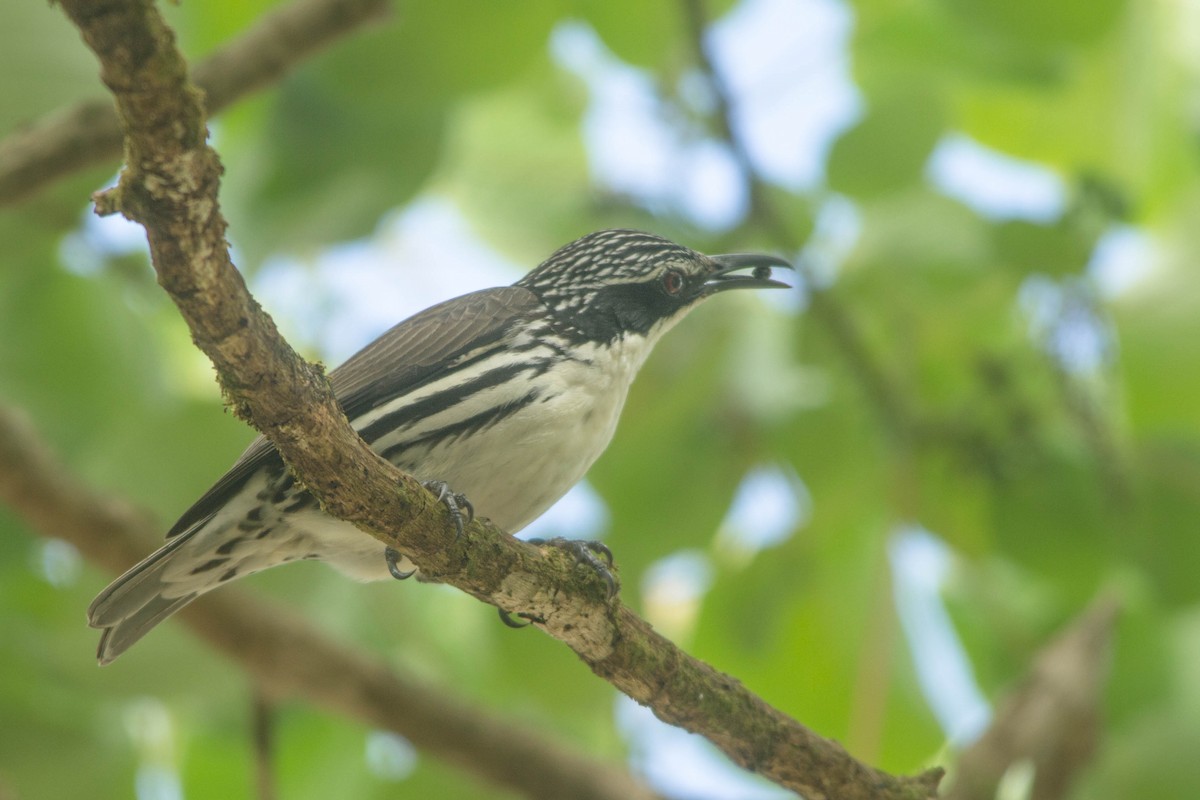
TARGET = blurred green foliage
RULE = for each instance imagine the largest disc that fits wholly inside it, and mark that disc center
(1047, 480)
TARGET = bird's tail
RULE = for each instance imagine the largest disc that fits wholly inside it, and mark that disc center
(140, 599)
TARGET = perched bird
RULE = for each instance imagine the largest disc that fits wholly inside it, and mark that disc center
(506, 395)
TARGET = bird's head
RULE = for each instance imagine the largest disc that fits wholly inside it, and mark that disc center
(617, 282)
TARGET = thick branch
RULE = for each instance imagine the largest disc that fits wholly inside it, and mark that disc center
(88, 134)
(284, 654)
(170, 186)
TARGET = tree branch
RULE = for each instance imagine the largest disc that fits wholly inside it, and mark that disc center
(285, 656)
(170, 186)
(1051, 719)
(88, 134)
(262, 713)
(845, 334)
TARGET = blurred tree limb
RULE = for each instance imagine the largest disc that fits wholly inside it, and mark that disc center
(1051, 720)
(262, 712)
(169, 185)
(285, 655)
(901, 418)
(89, 133)
(879, 386)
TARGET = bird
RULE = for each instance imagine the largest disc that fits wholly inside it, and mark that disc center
(498, 400)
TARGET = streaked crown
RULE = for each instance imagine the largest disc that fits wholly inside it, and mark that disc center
(614, 282)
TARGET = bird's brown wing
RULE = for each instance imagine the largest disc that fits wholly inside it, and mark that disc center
(405, 356)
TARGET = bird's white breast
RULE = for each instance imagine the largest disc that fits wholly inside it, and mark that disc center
(515, 469)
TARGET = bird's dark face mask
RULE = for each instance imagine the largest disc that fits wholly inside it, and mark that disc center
(652, 304)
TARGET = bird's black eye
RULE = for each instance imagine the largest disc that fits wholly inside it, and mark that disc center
(672, 282)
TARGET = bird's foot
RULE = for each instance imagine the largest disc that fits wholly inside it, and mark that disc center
(461, 511)
(589, 553)
(458, 505)
(594, 555)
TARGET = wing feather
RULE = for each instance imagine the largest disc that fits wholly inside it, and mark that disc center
(401, 359)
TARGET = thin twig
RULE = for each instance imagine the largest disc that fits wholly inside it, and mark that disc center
(262, 712)
(1082, 408)
(843, 331)
(88, 134)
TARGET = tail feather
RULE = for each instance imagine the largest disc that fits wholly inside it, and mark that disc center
(241, 526)
(137, 601)
(123, 634)
(254, 530)
(134, 588)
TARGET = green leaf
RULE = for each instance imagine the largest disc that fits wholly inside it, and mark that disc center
(1037, 24)
(47, 65)
(888, 149)
(1056, 249)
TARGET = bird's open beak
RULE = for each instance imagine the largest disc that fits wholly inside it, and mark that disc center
(729, 274)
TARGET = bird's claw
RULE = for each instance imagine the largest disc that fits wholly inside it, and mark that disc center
(461, 511)
(392, 558)
(455, 503)
(508, 620)
(586, 552)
